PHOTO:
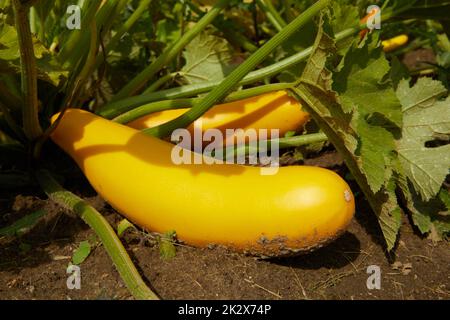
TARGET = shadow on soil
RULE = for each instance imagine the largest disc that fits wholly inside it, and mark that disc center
(338, 254)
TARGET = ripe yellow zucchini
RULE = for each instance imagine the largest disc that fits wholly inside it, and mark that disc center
(394, 43)
(274, 110)
(298, 209)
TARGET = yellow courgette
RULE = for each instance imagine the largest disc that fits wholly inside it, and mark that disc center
(274, 110)
(298, 209)
(394, 43)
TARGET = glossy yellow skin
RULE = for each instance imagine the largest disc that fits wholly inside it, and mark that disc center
(273, 110)
(394, 43)
(298, 209)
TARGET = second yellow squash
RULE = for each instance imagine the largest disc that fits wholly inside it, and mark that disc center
(273, 110)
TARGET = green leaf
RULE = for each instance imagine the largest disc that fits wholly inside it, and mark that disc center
(344, 16)
(444, 195)
(167, 249)
(431, 217)
(398, 71)
(23, 225)
(361, 82)
(49, 69)
(167, 31)
(9, 46)
(123, 226)
(354, 125)
(81, 253)
(365, 92)
(376, 152)
(425, 119)
(208, 58)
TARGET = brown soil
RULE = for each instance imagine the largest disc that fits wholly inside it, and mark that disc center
(34, 266)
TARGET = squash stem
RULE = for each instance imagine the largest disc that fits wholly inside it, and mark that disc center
(103, 229)
(283, 143)
(161, 81)
(272, 14)
(31, 125)
(187, 103)
(170, 53)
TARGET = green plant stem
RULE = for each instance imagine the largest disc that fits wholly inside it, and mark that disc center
(110, 19)
(74, 88)
(234, 37)
(283, 143)
(104, 231)
(31, 125)
(170, 53)
(131, 21)
(233, 79)
(33, 20)
(74, 48)
(272, 14)
(113, 109)
(187, 103)
(162, 80)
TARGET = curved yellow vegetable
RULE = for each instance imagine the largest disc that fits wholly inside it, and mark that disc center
(297, 209)
(394, 43)
(274, 110)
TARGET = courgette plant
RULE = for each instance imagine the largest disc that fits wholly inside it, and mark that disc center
(364, 105)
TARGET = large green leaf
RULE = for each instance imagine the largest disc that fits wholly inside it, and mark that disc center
(364, 91)
(349, 125)
(208, 58)
(425, 119)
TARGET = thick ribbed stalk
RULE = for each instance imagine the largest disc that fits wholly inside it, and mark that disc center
(232, 80)
(170, 53)
(31, 125)
(104, 231)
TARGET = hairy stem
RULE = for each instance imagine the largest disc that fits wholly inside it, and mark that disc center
(31, 125)
(104, 231)
(272, 14)
(283, 143)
